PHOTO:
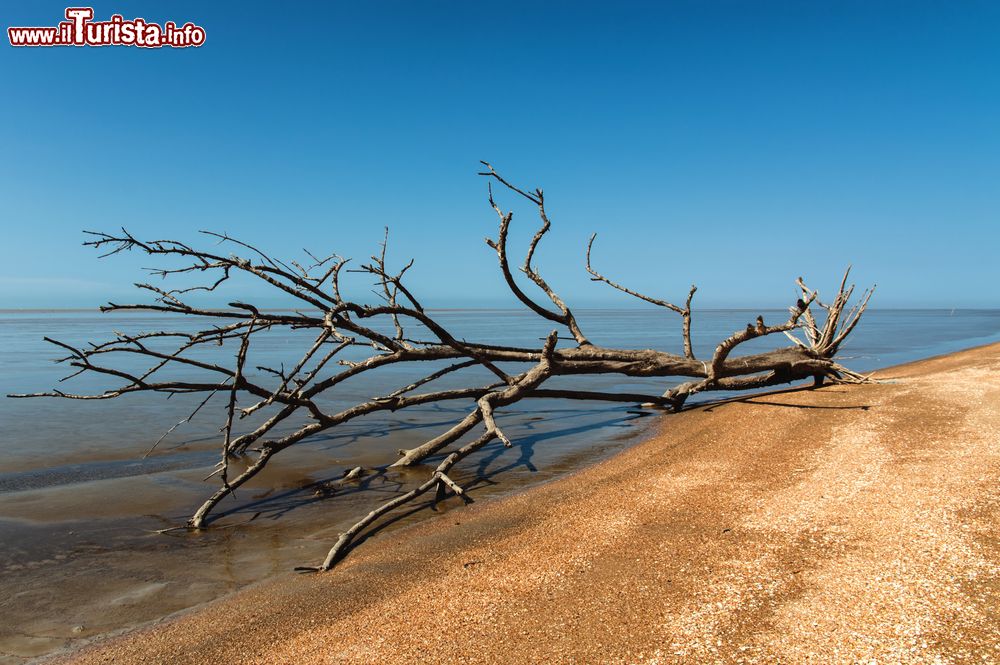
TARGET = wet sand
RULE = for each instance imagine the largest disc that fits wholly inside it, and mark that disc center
(835, 525)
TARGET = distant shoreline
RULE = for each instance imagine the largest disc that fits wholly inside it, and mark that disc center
(96, 310)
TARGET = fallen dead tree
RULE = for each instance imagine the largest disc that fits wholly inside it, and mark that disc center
(816, 331)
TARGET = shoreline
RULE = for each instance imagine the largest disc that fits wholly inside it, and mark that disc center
(270, 548)
(501, 556)
(572, 463)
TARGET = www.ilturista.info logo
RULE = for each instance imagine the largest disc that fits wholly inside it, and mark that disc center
(81, 30)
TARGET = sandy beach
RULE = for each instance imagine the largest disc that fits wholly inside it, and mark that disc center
(845, 524)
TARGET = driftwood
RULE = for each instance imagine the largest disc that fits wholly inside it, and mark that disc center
(340, 323)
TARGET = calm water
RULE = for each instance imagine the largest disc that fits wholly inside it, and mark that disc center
(78, 501)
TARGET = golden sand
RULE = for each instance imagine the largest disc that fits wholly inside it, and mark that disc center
(846, 524)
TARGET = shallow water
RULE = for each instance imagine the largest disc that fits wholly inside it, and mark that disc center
(78, 502)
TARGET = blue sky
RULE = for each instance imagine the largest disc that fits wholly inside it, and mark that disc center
(736, 145)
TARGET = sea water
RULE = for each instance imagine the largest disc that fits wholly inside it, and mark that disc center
(82, 497)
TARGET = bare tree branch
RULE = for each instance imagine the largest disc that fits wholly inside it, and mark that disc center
(336, 325)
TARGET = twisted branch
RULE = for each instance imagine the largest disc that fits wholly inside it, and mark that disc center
(339, 325)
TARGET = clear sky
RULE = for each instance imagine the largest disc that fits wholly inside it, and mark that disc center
(732, 144)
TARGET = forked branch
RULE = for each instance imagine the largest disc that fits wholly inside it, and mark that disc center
(348, 338)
